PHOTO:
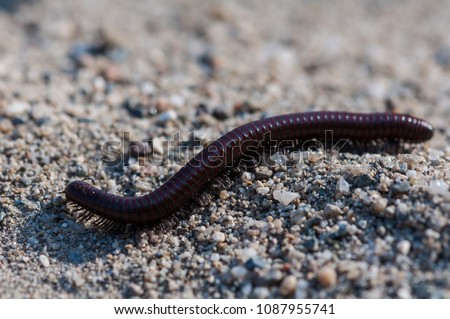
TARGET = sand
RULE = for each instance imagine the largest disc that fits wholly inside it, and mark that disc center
(76, 74)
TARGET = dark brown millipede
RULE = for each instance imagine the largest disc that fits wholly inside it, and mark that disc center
(178, 190)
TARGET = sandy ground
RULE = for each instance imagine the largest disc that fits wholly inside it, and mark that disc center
(74, 74)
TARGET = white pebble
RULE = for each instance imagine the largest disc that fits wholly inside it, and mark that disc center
(247, 176)
(218, 236)
(44, 261)
(215, 257)
(342, 186)
(263, 190)
(403, 247)
(17, 108)
(284, 197)
(438, 186)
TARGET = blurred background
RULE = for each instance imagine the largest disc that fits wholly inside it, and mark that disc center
(223, 58)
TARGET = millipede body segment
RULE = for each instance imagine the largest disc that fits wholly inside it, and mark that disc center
(189, 180)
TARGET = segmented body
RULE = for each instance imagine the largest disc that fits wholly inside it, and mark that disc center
(178, 190)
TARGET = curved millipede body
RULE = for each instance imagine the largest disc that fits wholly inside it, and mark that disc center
(190, 179)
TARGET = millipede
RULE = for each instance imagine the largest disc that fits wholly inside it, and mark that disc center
(110, 210)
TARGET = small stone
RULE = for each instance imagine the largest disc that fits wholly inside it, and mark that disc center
(135, 290)
(445, 207)
(311, 244)
(6, 126)
(435, 155)
(17, 108)
(33, 241)
(438, 187)
(362, 180)
(402, 209)
(403, 247)
(342, 186)
(332, 210)
(263, 190)
(261, 292)
(255, 262)
(44, 261)
(263, 172)
(221, 112)
(327, 277)
(273, 276)
(401, 188)
(224, 195)
(218, 237)
(247, 176)
(215, 257)
(167, 116)
(379, 206)
(297, 216)
(404, 293)
(246, 289)
(238, 272)
(288, 285)
(2, 216)
(279, 158)
(77, 281)
(301, 292)
(284, 197)
(177, 101)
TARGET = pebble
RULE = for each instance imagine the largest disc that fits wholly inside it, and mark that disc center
(135, 290)
(224, 194)
(6, 126)
(445, 207)
(263, 172)
(297, 216)
(438, 187)
(379, 206)
(327, 277)
(17, 108)
(218, 236)
(301, 291)
(238, 272)
(215, 257)
(261, 292)
(263, 190)
(288, 285)
(284, 197)
(44, 261)
(342, 186)
(401, 188)
(273, 276)
(332, 210)
(247, 176)
(221, 112)
(2, 216)
(403, 247)
(402, 209)
(167, 116)
(255, 262)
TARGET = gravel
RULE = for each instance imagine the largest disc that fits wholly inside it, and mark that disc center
(310, 223)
